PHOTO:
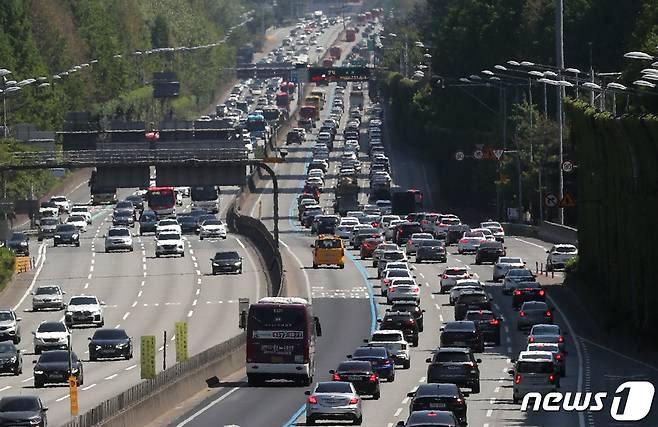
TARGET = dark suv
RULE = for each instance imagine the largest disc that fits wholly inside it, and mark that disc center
(412, 307)
(405, 230)
(443, 397)
(360, 374)
(382, 362)
(324, 224)
(456, 366)
(402, 321)
(527, 291)
(471, 301)
(147, 222)
(487, 323)
(462, 333)
(18, 243)
(489, 252)
(66, 234)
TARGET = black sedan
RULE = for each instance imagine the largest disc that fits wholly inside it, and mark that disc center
(442, 396)
(123, 218)
(18, 243)
(360, 374)
(147, 222)
(487, 323)
(188, 224)
(110, 343)
(431, 250)
(10, 359)
(22, 411)
(229, 261)
(66, 234)
(489, 252)
(412, 307)
(53, 367)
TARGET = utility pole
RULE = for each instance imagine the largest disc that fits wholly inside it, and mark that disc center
(559, 47)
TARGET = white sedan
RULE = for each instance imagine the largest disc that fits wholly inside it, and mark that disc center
(82, 211)
(414, 241)
(212, 228)
(470, 242)
(79, 221)
(167, 225)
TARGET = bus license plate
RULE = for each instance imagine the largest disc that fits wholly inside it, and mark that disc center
(277, 359)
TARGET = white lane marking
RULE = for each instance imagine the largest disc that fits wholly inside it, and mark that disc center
(131, 367)
(190, 313)
(194, 303)
(509, 349)
(41, 260)
(111, 377)
(89, 276)
(92, 261)
(405, 400)
(441, 317)
(134, 303)
(530, 243)
(125, 316)
(198, 281)
(497, 389)
(7, 387)
(421, 275)
(91, 268)
(397, 412)
(198, 273)
(144, 259)
(89, 386)
(507, 329)
(191, 251)
(508, 339)
(422, 379)
(240, 243)
(639, 362)
(438, 307)
(62, 398)
(433, 296)
(117, 326)
(489, 412)
(196, 265)
(86, 285)
(139, 294)
(208, 406)
(301, 265)
(193, 258)
(198, 291)
(27, 380)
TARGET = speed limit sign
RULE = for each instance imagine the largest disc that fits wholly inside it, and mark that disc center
(459, 156)
(567, 166)
(478, 154)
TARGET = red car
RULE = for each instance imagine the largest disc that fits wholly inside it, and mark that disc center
(368, 246)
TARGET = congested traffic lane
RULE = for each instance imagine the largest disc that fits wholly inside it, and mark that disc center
(143, 294)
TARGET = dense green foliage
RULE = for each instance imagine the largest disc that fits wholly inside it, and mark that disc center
(618, 183)
(7, 262)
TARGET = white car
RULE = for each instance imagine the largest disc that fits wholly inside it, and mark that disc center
(395, 343)
(167, 225)
(559, 254)
(212, 228)
(403, 289)
(488, 234)
(380, 249)
(50, 336)
(346, 225)
(169, 243)
(451, 275)
(47, 210)
(504, 264)
(535, 372)
(62, 202)
(389, 275)
(118, 238)
(315, 182)
(496, 228)
(414, 241)
(316, 173)
(79, 221)
(385, 206)
(84, 310)
(83, 211)
(470, 242)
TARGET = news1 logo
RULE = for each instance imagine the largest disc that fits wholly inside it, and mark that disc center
(631, 402)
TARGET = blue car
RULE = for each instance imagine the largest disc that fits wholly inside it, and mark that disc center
(382, 362)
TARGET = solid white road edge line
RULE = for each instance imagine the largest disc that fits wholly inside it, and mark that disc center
(208, 406)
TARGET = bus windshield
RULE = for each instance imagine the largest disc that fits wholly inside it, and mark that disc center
(204, 194)
(162, 197)
(255, 123)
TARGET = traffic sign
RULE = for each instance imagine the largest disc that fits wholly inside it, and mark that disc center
(294, 76)
(478, 154)
(73, 394)
(459, 156)
(567, 166)
(181, 341)
(551, 200)
(567, 201)
(498, 152)
(148, 357)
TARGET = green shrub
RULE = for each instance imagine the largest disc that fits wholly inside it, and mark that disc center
(7, 262)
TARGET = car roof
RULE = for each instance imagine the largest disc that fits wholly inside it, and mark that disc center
(459, 325)
(437, 389)
(355, 365)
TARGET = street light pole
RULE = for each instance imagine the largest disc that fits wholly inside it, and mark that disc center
(559, 45)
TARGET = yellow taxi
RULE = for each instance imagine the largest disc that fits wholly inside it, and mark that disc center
(328, 250)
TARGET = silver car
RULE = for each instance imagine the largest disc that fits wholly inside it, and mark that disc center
(380, 249)
(118, 238)
(389, 275)
(534, 313)
(403, 290)
(333, 400)
(10, 330)
(514, 277)
(389, 256)
(464, 286)
(504, 264)
(414, 241)
(450, 277)
(545, 333)
(48, 297)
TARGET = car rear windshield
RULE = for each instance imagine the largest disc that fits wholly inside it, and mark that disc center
(19, 404)
(527, 367)
(397, 273)
(430, 243)
(47, 290)
(447, 356)
(534, 305)
(370, 352)
(476, 315)
(83, 301)
(110, 334)
(545, 330)
(509, 260)
(355, 366)
(518, 272)
(172, 236)
(390, 256)
(115, 232)
(469, 298)
(328, 244)
(333, 387)
(456, 272)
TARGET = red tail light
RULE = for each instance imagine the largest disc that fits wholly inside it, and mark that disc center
(517, 292)
(522, 313)
(531, 339)
(551, 378)
(335, 377)
(416, 290)
(372, 378)
(541, 292)
(561, 339)
(517, 379)
(387, 281)
(391, 290)
(494, 322)
(548, 313)
(409, 242)
(445, 276)
(312, 400)
(459, 402)
(354, 401)
(558, 356)
(463, 241)
(411, 322)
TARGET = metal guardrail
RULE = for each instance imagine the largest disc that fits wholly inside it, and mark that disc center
(82, 158)
(145, 389)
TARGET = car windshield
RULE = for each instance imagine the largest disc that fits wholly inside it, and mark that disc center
(510, 260)
(227, 255)
(19, 404)
(110, 334)
(527, 367)
(49, 221)
(333, 387)
(83, 301)
(7, 347)
(54, 356)
(66, 228)
(446, 356)
(169, 236)
(565, 250)
(47, 290)
(17, 237)
(76, 218)
(116, 232)
(212, 222)
(5, 315)
(52, 327)
(546, 330)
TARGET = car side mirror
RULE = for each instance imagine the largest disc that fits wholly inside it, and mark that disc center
(34, 333)
(422, 311)
(18, 319)
(441, 328)
(379, 320)
(411, 394)
(491, 298)
(548, 252)
(478, 360)
(312, 245)
(513, 360)
(400, 424)
(32, 293)
(307, 392)
(332, 371)
(510, 371)
(366, 341)
(349, 356)
(414, 276)
(104, 235)
(428, 360)
(63, 292)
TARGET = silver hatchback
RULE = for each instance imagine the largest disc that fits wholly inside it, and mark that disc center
(333, 400)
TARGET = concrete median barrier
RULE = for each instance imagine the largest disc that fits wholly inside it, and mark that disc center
(547, 231)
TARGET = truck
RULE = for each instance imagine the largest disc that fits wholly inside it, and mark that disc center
(335, 52)
(350, 35)
(347, 195)
(356, 99)
(406, 202)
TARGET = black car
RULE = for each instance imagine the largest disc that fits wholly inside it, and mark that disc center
(123, 218)
(401, 321)
(487, 323)
(148, 221)
(23, 411)
(527, 291)
(489, 252)
(412, 307)
(229, 261)
(188, 224)
(66, 234)
(53, 367)
(382, 362)
(442, 396)
(324, 224)
(430, 419)
(47, 228)
(125, 206)
(405, 230)
(462, 333)
(456, 232)
(110, 343)
(10, 359)
(455, 365)
(137, 201)
(18, 243)
(360, 374)
(474, 300)
(431, 250)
